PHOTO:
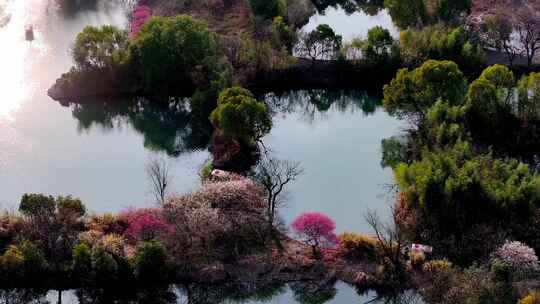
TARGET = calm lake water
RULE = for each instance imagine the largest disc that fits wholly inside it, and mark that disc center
(352, 25)
(48, 148)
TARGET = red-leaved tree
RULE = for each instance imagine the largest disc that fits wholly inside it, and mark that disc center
(141, 14)
(144, 224)
(316, 229)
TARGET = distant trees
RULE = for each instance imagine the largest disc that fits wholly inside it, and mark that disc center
(316, 229)
(99, 48)
(440, 42)
(528, 29)
(497, 32)
(516, 33)
(528, 108)
(416, 13)
(321, 43)
(406, 13)
(240, 116)
(268, 9)
(380, 47)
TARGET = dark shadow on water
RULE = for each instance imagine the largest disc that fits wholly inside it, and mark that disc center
(166, 127)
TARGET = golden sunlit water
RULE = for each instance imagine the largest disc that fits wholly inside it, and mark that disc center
(17, 55)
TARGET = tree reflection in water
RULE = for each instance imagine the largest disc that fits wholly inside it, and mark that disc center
(304, 292)
(309, 103)
(369, 7)
(23, 296)
(170, 127)
(167, 127)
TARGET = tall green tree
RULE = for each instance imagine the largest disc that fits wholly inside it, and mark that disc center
(412, 93)
(240, 116)
(175, 55)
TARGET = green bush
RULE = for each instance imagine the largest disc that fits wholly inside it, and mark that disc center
(268, 9)
(413, 93)
(175, 55)
(358, 246)
(240, 116)
(151, 267)
(440, 42)
(99, 48)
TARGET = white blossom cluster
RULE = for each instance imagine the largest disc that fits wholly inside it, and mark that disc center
(517, 255)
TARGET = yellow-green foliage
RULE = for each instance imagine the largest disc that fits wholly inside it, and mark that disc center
(532, 298)
(12, 260)
(417, 259)
(358, 246)
(438, 266)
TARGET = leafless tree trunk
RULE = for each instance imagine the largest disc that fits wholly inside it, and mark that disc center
(159, 176)
(390, 237)
(274, 175)
(528, 29)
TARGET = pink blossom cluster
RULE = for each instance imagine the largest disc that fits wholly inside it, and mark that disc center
(518, 255)
(141, 14)
(316, 229)
(144, 224)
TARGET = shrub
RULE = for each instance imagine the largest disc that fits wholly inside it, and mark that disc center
(358, 246)
(141, 14)
(99, 48)
(521, 259)
(440, 42)
(240, 116)
(104, 266)
(316, 229)
(532, 298)
(12, 262)
(151, 265)
(438, 266)
(415, 92)
(144, 224)
(417, 259)
(268, 9)
(221, 219)
(81, 265)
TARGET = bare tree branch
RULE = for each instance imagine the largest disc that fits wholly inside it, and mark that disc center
(274, 175)
(157, 171)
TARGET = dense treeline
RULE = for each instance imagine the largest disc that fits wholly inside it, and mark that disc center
(457, 181)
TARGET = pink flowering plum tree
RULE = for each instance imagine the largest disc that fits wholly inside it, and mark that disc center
(144, 224)
(316, 229)
(141, 14)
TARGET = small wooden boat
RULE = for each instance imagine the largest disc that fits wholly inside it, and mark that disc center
(29, 32)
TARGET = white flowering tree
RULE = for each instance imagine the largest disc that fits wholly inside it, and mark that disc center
(521, 258)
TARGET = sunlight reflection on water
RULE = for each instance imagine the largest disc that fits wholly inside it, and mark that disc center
(17, 55)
